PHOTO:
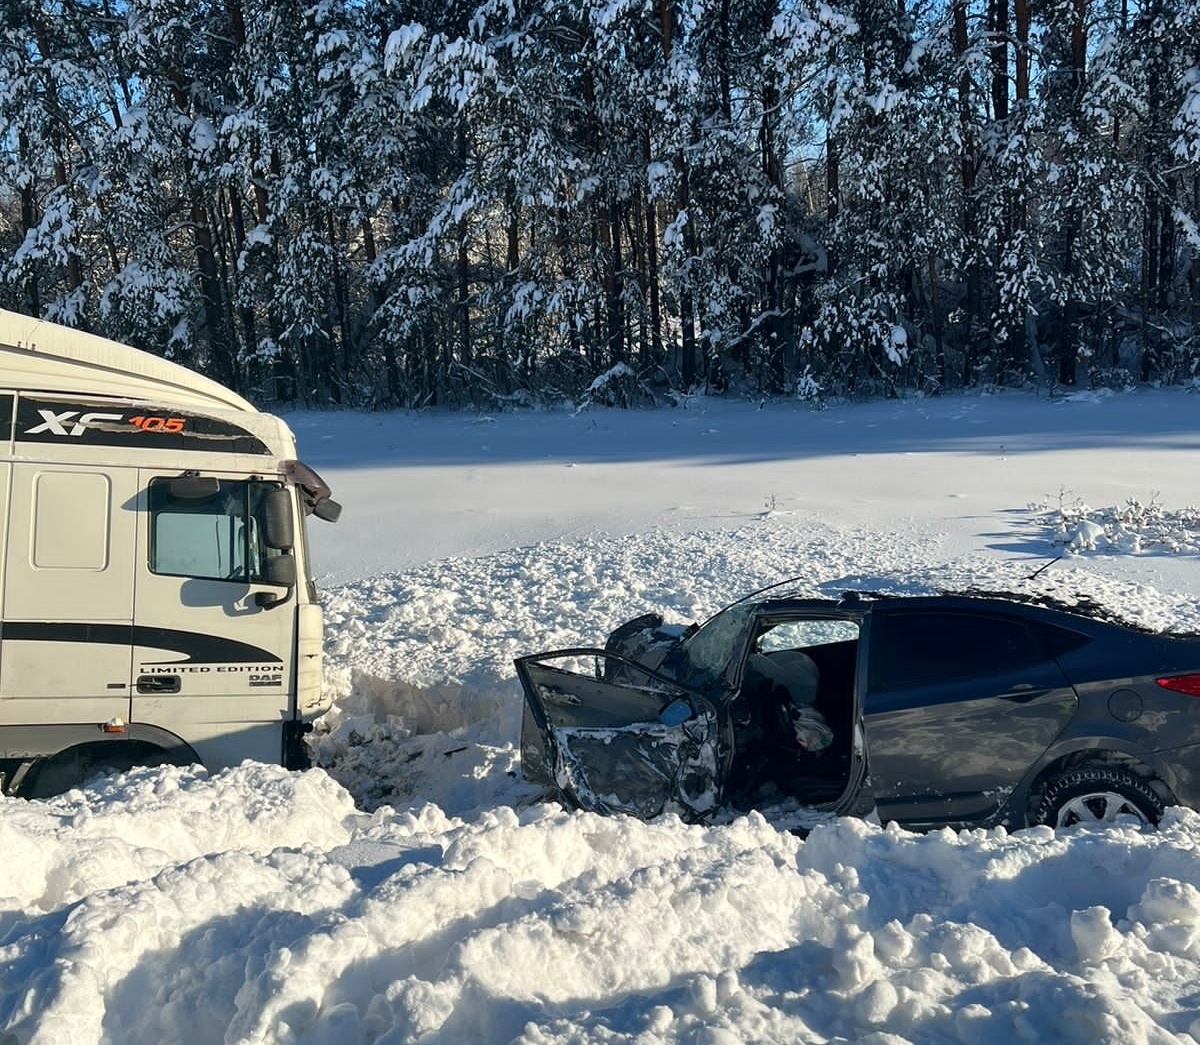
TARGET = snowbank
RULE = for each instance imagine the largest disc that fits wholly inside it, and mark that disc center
(539, 926)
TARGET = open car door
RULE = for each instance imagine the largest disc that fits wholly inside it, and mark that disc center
(616, 737)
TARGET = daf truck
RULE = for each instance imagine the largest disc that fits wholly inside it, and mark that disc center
(156, 600)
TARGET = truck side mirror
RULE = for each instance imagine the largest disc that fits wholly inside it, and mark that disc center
(327, 510)
(278, 570)
(279, 527)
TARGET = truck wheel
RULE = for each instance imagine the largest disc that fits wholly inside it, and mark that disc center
(59, 773)
(52, 776)
(1097, 795)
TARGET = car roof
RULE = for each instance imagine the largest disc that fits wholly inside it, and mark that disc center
(1083, 610)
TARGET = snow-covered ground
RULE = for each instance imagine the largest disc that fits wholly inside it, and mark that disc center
(414, 891)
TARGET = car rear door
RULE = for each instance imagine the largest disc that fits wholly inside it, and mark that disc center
(619, 738)
(959, 705)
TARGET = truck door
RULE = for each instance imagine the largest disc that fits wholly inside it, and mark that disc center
(213, 639)
(68, 594)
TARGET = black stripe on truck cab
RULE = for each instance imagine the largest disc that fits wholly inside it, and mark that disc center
(100, 423)
(190, 647)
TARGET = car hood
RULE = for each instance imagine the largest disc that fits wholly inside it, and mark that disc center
(647, 640)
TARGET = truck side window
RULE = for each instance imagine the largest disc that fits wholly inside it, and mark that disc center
(216, 537)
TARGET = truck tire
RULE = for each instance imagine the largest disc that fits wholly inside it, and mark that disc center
(74, 768)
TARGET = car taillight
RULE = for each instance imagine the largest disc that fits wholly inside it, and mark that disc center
(1189, 684)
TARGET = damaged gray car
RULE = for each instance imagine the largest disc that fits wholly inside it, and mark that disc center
(947, 710)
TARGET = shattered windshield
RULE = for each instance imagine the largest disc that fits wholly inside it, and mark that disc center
(706, 654)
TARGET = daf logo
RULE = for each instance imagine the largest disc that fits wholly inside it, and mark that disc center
(56, 424)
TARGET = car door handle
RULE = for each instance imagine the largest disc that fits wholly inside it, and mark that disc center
(1021, 693)
(159, 684)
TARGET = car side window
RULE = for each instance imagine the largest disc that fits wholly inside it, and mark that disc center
(921, 648)
(797, 634)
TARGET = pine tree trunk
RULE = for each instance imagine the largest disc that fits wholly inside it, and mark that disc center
(689, 369)
(969, 215)
(688, 364)
(614, 284)
(1021, 23)
(211, 293)
(332, 363)
(463, 266)
(29, 219)
(1068, 333)
(656, 343)
(772, 167)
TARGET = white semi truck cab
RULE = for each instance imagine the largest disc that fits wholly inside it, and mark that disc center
(156, 601)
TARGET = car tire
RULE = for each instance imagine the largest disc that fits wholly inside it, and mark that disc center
(1097, 795)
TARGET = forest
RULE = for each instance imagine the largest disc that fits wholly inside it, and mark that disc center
(414, 203)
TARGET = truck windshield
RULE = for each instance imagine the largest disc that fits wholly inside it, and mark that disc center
(217, 537)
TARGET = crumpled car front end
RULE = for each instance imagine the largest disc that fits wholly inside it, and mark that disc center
(607, 734)
(647, 640)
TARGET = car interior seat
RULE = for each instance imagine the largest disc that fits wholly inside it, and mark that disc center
(792, 669)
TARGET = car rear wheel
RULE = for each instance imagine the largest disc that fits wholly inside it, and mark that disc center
(1097, 795)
